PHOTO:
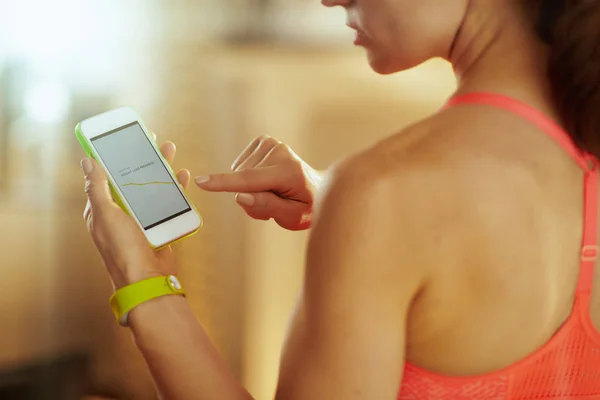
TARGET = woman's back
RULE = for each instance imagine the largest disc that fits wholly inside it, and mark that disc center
(507, 231)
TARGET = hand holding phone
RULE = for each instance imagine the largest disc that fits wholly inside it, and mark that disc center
(132, 229)
(141, 181)
(123, 246)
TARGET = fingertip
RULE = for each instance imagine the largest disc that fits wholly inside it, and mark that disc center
(170, 144)
(183, 176)
(168, 150)
(86, 166)
(245, 199)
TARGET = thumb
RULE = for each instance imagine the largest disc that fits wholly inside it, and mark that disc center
(265, 205)
(96, 184)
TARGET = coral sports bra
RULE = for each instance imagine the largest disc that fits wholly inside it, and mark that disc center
(566, 367)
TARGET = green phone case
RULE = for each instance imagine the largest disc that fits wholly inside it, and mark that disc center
(87, 147)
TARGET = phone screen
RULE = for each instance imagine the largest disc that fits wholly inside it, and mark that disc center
(141, 175)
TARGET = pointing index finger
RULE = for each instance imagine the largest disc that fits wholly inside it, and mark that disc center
(249, 180)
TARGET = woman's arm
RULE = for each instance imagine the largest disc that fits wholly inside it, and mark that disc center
(182, 360)
(347, 336)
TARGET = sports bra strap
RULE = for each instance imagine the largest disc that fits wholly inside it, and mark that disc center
(534, 116)
(587, 162)
(589, 243)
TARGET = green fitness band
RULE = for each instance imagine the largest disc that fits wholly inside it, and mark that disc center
(131, 296)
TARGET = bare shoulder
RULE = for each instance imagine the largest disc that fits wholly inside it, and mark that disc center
(376, 209)
(415, 178)
(437, 184)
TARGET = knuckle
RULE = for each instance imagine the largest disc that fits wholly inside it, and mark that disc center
(92, 188)
(281, 148)
(284, 155)
(263, 138)
(294, 164)
(87, 212)
(89, 188)
(246, 174)
(271, 141)
(267, 142)
(260, 140)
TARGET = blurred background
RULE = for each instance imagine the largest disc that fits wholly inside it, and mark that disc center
(209, 75)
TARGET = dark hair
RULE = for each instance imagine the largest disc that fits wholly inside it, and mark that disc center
(572, 30)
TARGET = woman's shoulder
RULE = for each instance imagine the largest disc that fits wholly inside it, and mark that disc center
(431, 179)
(450, 154)
(422, 163)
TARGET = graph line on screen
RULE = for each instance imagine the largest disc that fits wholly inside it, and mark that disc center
(147, 183)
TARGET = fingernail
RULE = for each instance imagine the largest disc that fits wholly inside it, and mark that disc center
(202, 179)
(86, 165)
(245, 199)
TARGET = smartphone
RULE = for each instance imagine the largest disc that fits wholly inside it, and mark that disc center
(141, 181)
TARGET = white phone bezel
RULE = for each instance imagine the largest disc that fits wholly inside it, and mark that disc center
(168, 231)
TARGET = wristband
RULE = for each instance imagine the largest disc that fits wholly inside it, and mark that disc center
(131, 296)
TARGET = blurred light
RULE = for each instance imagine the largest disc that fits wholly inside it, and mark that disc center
(75, 39)
(47, 102)
(42, 30)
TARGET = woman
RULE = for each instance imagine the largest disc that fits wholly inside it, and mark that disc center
(453, 260)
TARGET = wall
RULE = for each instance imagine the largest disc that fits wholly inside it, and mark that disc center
(243, 276)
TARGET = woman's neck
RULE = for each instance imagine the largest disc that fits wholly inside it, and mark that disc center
(498, 51)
